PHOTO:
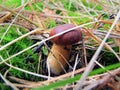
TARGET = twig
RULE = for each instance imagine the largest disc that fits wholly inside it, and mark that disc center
(4, 16)
(103, 33)
(25, 71)
(19, 15)
(8, 83)
(107, 22)
(84, 53)
(103, 80)
(36, 84)
(74, 68)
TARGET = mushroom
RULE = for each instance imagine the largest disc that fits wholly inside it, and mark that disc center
(58, 58)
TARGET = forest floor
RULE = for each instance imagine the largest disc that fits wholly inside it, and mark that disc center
(93, 63)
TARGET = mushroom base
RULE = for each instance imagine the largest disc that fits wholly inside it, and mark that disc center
(58, 58)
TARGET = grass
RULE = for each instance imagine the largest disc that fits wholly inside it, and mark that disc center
(72, 80)
(4, 87)
(16, 47)
(78, 12)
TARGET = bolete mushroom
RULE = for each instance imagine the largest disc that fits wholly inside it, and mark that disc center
(60, 52)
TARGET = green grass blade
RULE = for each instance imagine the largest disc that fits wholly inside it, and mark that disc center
(71, 80)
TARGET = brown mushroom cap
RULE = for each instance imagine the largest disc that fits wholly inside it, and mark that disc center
(68, 38)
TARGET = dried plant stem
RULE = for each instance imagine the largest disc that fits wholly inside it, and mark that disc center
(19, 15)
(44, 40)
(105, 45)
(84, 53)
(84, 7)
(8, 83)
(54, 15)
(90, 65)
(6, 15)
(74, 68)
(108, 22)
(23, 36)
(16, 25)
(10, 26)
(103, 33)
(39, 60)
(101, 82)
(103, 67)
(25, 71)
(36, 84)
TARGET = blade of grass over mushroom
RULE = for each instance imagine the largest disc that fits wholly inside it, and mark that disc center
(75, 78)
(44, 40)
(90, 65)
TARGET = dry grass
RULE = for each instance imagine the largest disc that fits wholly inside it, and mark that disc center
(92, 16)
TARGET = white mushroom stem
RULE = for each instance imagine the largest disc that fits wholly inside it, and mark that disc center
(58, 58)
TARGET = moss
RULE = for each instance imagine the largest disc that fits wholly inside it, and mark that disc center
(20, 60)
(4, 87)
(50, 23)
